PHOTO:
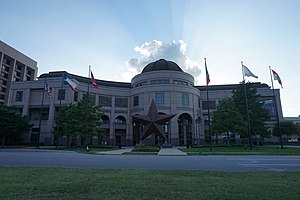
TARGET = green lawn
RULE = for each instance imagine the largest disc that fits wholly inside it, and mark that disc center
(66, 183)
(272, 150)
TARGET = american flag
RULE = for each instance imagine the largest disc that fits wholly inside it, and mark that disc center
(47, 88)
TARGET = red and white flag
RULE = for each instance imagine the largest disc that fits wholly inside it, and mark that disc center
(276, 77)
(207, 74)
(94, 81)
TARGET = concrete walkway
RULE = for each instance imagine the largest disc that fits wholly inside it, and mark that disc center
(171, 152)
(115, 152)
(162, 152)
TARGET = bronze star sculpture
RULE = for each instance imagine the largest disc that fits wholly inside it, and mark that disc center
(153, 122)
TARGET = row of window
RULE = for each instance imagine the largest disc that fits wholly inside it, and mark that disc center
(123, 102)
(107, 101)
(160, 99)
(162, 81)
(103, 101)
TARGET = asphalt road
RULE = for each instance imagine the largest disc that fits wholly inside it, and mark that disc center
(11, 157)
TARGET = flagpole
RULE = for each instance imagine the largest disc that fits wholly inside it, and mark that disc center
(208, 109)
(40, 117)
(87, 96)
(59, 95)
(88, 90)
(277, 116)
(247, 109)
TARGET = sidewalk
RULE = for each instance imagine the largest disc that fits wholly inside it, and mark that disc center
(171, 152)
(115, 152)
(162, 152)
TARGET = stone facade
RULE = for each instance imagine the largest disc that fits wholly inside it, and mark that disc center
(172, 90)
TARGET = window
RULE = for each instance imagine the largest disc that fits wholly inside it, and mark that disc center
(105, 101)
(6, 61)
(2, 89)
(19, 96)
(28, 72)
(75, 98)
(177, 82)
(19, 67)
(61, 94)
(34, 113)
(185, 99)
(121, 102)
(6, 69)
(92, 97)
(45, 115)
(120, 120)
(162, 81)
(136, 101)
(159, 98)
(141, 84)
(212, 105)
(18, 74)
(105, 119)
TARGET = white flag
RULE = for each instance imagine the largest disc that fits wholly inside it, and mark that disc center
(247, 72)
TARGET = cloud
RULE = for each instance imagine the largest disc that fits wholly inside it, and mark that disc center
(155, 50)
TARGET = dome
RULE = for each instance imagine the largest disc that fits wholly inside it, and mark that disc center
(162, 64)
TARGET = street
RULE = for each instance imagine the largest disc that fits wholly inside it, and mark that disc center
(48, 158)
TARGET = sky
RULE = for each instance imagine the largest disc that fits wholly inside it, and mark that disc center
(117, 38)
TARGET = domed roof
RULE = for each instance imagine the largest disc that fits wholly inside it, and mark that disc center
(162, 64)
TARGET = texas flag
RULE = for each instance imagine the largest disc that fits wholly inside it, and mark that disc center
(276, 77)
(71, 83)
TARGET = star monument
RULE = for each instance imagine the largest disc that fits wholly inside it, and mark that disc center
(153, 122)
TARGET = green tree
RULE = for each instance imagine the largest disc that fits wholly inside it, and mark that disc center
(65, 122)
(227, 118)
(287, 128)
(257, 114)
(12, 123)
(81, 119)
(90, 116)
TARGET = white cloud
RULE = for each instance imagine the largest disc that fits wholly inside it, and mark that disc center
(155, 50)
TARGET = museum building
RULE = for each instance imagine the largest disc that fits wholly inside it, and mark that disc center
(172, 90)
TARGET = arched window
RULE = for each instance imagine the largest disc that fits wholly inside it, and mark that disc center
(105, 119)
(120, 120)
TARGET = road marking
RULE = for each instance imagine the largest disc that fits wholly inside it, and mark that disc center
(259, 159)
(281, 164)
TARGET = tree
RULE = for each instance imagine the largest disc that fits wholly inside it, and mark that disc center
(12, 123)
(257, 114)
(81, 119)
(65, 122)
(227, 118)
(287, 128)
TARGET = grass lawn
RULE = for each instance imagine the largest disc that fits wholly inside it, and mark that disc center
(66, 183)
(272, 150)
